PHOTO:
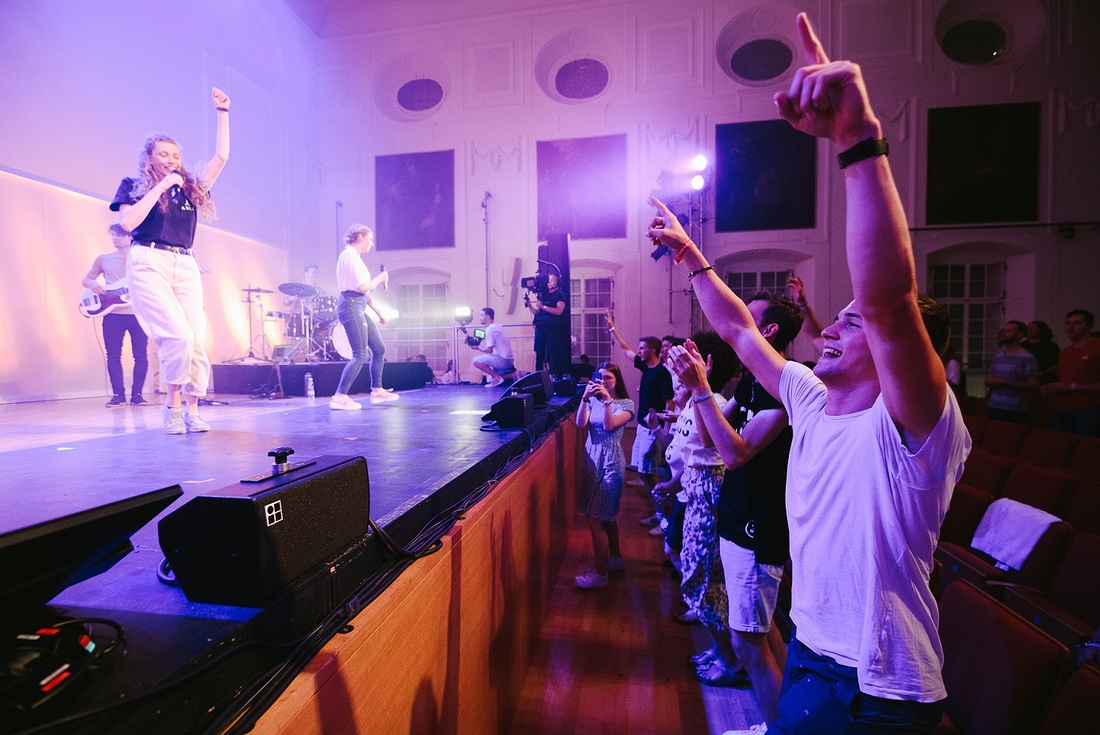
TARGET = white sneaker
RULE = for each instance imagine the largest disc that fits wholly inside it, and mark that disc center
(754, 730)
(615, 564)
(340, 402)
(194, 423)
(173, 419)
(383, 396)
(495, 382)
(590, 580)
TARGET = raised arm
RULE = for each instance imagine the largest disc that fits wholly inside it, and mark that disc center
(829, 100)
(221, 152)
(727, 313)
(811, 324)
(734, 448)
(623, 345)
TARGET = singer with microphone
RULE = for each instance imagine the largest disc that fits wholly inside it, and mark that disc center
(355, 283)
(159, 207)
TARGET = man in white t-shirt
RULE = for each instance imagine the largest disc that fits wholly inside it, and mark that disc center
(499, 361)
(878, 446)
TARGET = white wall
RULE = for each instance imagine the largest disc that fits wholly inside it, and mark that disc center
(666, 95)
(85, 81)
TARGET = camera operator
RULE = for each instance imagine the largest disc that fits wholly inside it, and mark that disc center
(547, 305)
(499, 362)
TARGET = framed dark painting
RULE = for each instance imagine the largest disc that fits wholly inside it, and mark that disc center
(582, 187)
(414, 200)
(765, 177)
(983, 164)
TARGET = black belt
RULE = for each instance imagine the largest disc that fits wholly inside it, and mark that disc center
(177, 249)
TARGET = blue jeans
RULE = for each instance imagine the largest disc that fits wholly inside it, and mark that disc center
(821, 697)
(365, 341)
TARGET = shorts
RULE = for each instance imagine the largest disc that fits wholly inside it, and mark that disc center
(753, 588)
(647, 453)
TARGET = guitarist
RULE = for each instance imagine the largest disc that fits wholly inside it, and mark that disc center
(120, 320)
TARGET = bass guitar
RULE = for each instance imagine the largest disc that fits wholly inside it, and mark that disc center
(93, 304)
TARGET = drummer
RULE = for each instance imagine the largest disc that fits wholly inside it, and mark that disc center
(309, 278)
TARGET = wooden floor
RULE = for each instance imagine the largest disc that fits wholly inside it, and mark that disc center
(612, 661)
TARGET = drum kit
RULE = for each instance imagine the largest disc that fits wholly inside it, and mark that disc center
(309, 324)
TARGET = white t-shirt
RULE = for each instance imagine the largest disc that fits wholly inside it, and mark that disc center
(351, 271)
(685, 448)
(497, 343)
(865, 517)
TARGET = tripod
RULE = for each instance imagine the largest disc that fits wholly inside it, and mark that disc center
(262, 336)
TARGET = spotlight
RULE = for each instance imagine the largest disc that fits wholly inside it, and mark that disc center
(464, 315)
(699, 163)
(698, 182)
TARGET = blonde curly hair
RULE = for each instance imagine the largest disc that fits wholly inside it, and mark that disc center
(148, 177)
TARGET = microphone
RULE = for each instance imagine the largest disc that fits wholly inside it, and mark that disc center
(174, 192)
(385, 284)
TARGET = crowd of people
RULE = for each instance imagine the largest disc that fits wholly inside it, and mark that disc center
(1030, 373)
(843, 472)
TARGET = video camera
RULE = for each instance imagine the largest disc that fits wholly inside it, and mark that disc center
(539, 284)
(473, 340)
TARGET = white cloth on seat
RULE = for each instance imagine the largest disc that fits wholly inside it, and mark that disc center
(1009, 531)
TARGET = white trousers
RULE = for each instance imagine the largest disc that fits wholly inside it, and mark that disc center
(166, 293)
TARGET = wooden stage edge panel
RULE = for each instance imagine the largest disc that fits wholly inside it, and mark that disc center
(447, 647)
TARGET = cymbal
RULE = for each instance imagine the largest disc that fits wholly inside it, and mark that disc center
(301, 290)
(257, 289)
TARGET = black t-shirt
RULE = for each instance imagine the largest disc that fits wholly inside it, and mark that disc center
(545, 318)
(655, 390)
(752, 507)
(173, 225)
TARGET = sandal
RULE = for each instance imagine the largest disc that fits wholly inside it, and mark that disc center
(717, 675)
(706, 657)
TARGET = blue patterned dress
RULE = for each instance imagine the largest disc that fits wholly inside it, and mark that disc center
(604, 466)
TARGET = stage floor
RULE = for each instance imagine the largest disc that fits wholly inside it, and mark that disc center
(62, 457)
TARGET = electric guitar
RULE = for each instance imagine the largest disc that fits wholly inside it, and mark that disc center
(93, 304)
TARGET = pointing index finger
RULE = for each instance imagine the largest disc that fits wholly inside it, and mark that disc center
(811, 46)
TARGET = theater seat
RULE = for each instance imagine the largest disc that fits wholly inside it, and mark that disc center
(962, 562)
(968, 505)
(1086, 459)
(1048, 448)
(1076, 707)
(1004, 438)
(1039, 487)
(987, 471)
(1000, 671)
(975, 423)
(1084, 507)
(1070, 609)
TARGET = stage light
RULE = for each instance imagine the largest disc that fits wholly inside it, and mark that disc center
(464, 315)
(699, 163)
(698, 182)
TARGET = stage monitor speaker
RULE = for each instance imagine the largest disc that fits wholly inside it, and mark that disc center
(247, 542)
(539, 386)
(513, 412)
(566, 387)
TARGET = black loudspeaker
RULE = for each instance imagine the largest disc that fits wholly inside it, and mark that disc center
(565, 387)
(247, 542)
(540, 386)
(513, 412)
